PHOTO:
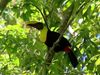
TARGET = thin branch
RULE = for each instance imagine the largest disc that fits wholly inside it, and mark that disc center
(66, 17)
(43, 15)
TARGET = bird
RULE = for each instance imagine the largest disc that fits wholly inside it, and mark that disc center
(49, 37)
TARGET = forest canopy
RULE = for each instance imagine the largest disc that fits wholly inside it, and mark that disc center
(21, 51)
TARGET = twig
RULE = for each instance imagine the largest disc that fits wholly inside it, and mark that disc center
(43, 15)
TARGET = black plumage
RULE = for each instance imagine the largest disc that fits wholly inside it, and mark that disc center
(52, 37)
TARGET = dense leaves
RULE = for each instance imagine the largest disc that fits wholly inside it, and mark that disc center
(21, 51)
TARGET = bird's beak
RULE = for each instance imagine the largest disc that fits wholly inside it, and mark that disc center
(37, 25)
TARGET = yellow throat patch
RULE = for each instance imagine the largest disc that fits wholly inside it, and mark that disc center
(43, 34)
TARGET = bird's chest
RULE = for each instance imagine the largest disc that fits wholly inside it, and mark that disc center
(43, 34)
(51, 38)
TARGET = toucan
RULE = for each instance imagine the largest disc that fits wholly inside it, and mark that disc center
(49, 37)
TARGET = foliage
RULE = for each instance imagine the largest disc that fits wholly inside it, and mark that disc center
(21, 51)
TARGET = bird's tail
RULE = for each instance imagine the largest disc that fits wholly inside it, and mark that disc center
(73, 59)
(71, 56)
